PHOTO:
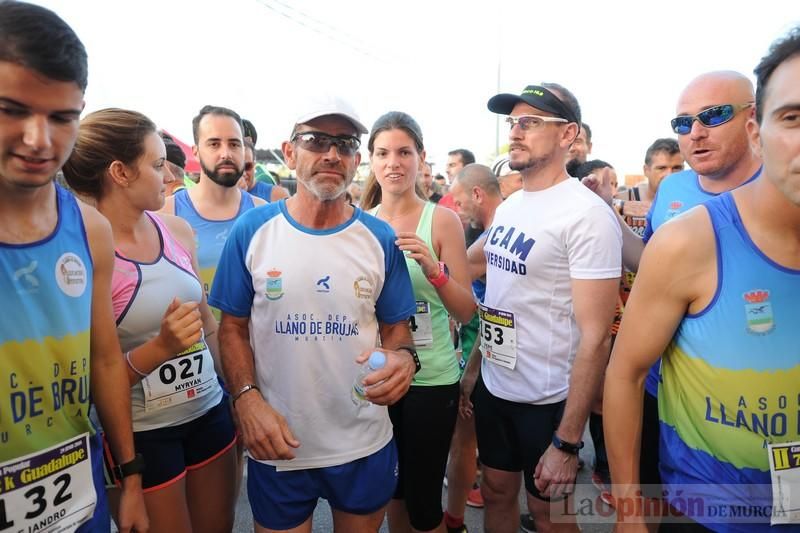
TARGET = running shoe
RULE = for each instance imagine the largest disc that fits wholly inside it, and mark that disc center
(604, 486)
(474, 498)
(526, 523)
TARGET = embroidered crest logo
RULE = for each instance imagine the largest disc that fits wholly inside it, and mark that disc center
(274, 290)
(758, 311)
(363, 288)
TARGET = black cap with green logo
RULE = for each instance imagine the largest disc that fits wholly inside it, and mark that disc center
(536, 96)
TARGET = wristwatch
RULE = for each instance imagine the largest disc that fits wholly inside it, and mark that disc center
(132, 467)
(442, 277)
(413, 352)
(566, 447)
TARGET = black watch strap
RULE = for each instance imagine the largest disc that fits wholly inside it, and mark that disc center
(134, 466)
(566, 447)
(413, 352)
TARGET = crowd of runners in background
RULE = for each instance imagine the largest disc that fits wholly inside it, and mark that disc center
(164, 332)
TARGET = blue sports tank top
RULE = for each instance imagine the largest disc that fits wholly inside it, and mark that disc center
(46, 446)
(210, 235)
(731, 375)
(677, 194)
(262, 190)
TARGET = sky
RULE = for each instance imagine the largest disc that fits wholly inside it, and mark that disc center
(439, 61)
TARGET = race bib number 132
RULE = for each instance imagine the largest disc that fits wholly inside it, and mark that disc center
(49, 490)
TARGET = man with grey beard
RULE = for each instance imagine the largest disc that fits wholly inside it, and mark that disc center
(308, 286)
(216, 202)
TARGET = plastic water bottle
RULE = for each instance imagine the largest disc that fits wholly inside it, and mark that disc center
(376, 361)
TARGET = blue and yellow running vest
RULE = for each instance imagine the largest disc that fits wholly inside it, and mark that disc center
(731, 378)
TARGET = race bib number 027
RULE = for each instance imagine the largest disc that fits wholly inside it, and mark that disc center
(48, 491)
(187, 377)
(498, 336)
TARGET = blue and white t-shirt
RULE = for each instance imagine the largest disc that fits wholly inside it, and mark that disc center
(314, 299)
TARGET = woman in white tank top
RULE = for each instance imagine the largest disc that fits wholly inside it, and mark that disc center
(181, 421)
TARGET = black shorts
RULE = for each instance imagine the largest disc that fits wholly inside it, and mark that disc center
(649, 475)
(513, 436)
(424, 421)
(171, 451)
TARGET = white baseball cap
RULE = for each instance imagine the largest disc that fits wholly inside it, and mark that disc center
(502, 166)
(327, 104)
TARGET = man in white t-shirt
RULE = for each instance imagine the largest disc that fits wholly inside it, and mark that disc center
(553, 262)
(308, 287)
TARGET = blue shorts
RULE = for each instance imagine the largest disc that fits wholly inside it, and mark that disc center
(284, 500)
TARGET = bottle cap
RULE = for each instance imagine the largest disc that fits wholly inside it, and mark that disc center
(377, 360)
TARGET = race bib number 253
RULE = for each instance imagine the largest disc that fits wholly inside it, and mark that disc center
(48, 491)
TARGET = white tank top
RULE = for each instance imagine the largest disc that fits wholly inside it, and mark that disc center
(186, 386)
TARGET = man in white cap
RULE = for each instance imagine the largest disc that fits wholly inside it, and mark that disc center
(308, 287)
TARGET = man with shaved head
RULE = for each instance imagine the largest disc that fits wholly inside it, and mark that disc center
(473, 187)
(711, 115)
(710, 121)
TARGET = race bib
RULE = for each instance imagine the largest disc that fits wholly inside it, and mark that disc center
(421, 325)
(190, 375)
(48, 491)
(498, 336)
(784, 467)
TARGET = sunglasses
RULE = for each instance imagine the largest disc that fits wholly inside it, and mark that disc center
(318, 142)
(710, 118)
(248, 167)
(529, 122)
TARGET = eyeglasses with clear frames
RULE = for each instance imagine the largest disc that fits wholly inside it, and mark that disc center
(529, 122)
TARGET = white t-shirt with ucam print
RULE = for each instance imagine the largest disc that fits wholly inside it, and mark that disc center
(538, 243)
